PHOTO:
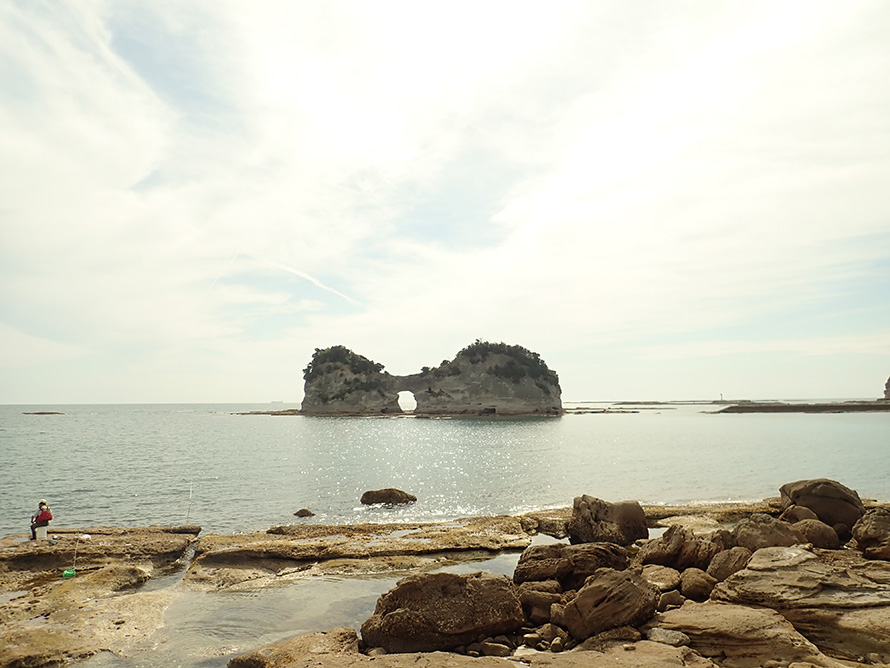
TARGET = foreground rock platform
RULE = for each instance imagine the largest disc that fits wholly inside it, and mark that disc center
(702, 601)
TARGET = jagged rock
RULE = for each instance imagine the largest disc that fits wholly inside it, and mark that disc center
(609, 599)
(570, 565)
(304, 512)
(679, 548)
(887, 390)
(594, 520)
(439, 611)
(663, 577)
(818, 534)
(872, 533)
(695, 584)
(741, 637)
(840, 606)
(483, 378)
(761, 530)
(832, 502)
(389, 496)
(341, 642)
(728, 562)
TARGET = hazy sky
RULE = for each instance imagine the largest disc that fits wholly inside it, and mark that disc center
(663, 199)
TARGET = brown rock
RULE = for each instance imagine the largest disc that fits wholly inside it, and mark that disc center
(872, 533)
(818, 534)
(570, 565)
(389, 496)
(610, 599)
(728, 562)
(832, 502)
(695, 584)
(438, 611)
(761, 530)
(594, 520)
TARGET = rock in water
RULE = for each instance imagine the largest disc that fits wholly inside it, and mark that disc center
(441, 611)
(594, 520)
(389, 496)
(483, 379)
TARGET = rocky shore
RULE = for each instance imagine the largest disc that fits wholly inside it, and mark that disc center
(800, 580)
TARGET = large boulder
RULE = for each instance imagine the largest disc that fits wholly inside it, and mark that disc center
(841, 606)
(761, 530)
(740, 636)
(441, 611)
(610, 599)
(680, 548)
(570, 565)
(832, 502)
(594, 520)
(389, 496)
(872, 533)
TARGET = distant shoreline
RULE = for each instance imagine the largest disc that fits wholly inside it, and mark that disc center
(833, 407)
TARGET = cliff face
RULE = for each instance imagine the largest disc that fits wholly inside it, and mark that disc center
(483, 379)
(887, 390)
(338, 381)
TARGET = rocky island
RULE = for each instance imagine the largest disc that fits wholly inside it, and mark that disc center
(483, 379)
(797, 581)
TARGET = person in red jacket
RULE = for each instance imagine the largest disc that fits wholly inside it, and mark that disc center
(41, 518)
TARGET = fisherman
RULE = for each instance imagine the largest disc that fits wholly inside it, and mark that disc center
(40, 519)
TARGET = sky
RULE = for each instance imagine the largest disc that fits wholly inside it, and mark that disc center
(665, 200)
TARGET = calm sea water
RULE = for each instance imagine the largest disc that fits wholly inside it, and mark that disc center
(207, 465)
(131, 465)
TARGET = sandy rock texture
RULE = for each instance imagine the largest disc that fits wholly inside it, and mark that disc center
(254, 559)
(49, 620)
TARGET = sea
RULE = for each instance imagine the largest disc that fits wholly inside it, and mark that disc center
(229, 471)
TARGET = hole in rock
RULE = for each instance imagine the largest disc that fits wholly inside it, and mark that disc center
(407, 402)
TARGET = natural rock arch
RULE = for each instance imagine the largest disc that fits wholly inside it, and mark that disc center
(483, 379)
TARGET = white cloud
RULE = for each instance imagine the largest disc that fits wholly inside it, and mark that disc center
(654, 171)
